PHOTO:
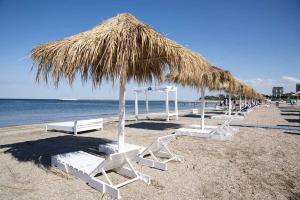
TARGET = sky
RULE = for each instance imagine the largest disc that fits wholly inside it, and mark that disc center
(258, 41)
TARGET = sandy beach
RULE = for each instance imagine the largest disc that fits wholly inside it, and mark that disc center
(256, 163)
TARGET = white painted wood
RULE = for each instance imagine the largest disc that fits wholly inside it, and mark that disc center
(176, 104)
(240, 103)
(86, 166)
(147, 104)
(229, 105)
(112, 147)
(223, 132)
(202, 107)
(76, 126)
(165, 89)
(136, 106)
(121, 125)
(195, 111)
(158, 151)
(167, 105)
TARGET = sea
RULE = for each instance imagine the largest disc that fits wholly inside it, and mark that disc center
(33, 111)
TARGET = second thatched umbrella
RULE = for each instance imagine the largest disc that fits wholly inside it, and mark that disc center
(121, 48)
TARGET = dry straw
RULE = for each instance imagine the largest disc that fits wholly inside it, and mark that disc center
(119, 45)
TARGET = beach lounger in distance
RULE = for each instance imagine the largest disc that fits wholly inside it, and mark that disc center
(87, 167)
(76, 126)
(222, 132)
(157, 154)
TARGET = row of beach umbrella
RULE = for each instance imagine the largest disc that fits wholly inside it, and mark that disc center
(122, 49)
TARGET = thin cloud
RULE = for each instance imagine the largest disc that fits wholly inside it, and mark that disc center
(291, 79)
(264, 85)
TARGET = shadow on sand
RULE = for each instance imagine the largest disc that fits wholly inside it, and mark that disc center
(290, 114)
(293, 120)
(197, 116)
(154, 125)
(40, 151)
(292, 133)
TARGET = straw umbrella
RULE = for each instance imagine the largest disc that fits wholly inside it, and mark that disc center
(297, 94)
(213, 79)
(121, 48)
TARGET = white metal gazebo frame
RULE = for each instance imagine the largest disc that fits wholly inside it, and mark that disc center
(165, 89)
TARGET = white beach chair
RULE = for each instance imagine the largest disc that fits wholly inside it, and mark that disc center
(157, 154)
(225, 116)
(86, 166)
(76, 126)
(222, 132)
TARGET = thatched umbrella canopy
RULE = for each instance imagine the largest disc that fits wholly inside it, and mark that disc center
(214, 79)
(120, 48)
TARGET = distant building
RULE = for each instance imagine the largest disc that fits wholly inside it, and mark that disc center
(277, 91)
(297, 87)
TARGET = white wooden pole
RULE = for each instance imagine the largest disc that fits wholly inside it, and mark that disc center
(202, 107)
(167, 105)
(121, 125)
(240, 103)
(147, 104)
(75, 127)
(136, 106)
(229, 105)
(176, 104)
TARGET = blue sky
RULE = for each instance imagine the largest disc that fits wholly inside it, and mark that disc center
(258, 41)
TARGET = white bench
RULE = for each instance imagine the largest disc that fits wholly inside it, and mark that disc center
(222, 132)
(87, 167)
(76, 126)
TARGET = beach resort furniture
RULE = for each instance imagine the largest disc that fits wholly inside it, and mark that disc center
(222, 132)
(76, 126)
(164, 89)
(87, 167)
(226, 116)
(156, 155)
(195, 111)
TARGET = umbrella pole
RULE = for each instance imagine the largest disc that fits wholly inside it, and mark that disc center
(147, 105)
(240, 102)
(176, 104)
(167, 105)
(121, 125)
(229, 105)
(202, 107)
(136, 106)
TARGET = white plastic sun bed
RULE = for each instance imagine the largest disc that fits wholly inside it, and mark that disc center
(87, 167)
(156, 155)
(226, 116)
(76, 126)
(222, 132)
(226, 127)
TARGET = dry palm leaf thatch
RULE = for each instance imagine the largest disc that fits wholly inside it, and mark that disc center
(119, 45)
(119, 48)
(212, 78)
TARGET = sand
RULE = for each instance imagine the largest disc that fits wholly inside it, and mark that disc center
(255, 164)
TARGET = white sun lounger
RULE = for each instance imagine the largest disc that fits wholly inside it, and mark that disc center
(86, 166)
(157, 154)
(225, 126)
(226, 116)
(76, 126)
(223, 132)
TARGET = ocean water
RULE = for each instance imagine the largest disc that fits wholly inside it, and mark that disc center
(30, 111)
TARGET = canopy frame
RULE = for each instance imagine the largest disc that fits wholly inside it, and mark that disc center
(166, 90)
